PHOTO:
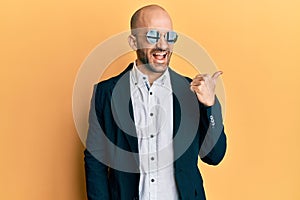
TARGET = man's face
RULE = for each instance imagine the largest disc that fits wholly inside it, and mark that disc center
(155, 54)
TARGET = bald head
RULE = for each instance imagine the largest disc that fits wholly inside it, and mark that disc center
(151, 16)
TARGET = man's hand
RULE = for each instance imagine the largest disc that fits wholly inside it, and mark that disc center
(204, 86)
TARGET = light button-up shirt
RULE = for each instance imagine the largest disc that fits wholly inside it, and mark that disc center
(153, 115)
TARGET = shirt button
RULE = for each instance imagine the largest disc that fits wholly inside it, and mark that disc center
(151, 136)
(151, 114)
(152, 180)
(150, 93)
(152, 158)
(144, 78)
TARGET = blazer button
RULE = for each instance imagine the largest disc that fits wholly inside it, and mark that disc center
(135, 198)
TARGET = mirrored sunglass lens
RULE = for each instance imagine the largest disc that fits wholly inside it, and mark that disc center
(171, 37)
(153, 36)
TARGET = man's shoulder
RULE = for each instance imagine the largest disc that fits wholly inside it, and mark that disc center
(111, 82)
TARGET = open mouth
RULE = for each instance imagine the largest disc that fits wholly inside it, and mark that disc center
(160, 55)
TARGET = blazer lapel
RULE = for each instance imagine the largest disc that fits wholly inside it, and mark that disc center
(123, 110)
(185, 117)
(176, 115)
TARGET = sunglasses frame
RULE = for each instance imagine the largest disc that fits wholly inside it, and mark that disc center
(150, 37)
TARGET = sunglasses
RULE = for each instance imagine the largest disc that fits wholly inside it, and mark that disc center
(153, 36)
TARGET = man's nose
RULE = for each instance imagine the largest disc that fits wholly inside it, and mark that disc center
(162, 43)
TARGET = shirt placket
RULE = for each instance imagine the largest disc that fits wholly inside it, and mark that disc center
(152, 156)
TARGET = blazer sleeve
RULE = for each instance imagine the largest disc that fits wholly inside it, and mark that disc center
(212, 136)
(95, 170)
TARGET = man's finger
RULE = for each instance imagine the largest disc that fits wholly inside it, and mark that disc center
(199, 79)
(216, 75)
(199, 75)
(197, 82)
(195, 89)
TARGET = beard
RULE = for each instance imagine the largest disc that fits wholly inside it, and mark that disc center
(142, 57)
(154, 67)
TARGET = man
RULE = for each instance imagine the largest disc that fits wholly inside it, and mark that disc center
(148, 125)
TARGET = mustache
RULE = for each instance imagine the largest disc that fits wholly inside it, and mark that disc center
(159, 50)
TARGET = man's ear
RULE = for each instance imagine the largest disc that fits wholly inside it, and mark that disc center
(132, 42)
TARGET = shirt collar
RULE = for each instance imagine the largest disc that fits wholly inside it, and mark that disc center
(139, 78)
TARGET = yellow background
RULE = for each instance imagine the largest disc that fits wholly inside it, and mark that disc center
(256, 43)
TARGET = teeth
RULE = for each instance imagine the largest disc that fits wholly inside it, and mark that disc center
(160, 54)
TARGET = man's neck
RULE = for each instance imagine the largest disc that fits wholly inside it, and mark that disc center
(152, 76)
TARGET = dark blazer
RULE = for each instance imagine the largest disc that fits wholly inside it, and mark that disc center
(111, 155)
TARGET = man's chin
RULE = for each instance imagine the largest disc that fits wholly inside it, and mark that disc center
(157, 67)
